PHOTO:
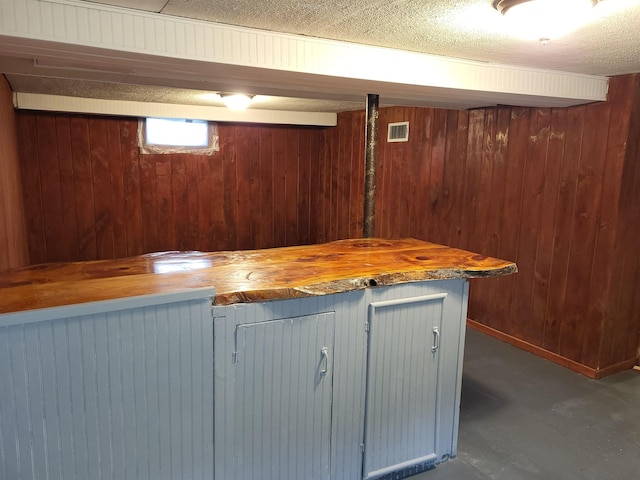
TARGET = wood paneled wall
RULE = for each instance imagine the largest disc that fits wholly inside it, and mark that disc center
(92, 195)
(13, 245)
(556, 190)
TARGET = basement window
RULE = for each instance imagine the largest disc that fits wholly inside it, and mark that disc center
(177, 135)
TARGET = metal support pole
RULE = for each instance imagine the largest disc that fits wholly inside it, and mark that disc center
(371, 139)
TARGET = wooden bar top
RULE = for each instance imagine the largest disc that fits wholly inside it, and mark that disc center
(245, 276)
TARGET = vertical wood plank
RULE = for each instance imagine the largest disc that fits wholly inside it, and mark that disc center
(228, 152)
(458, 156)
(149, 203)
(584, 229)
(291, 172)
(205, 205)
(279, 187)
(434, 230)
(472, 177)
(563, 226)
(485, 156)
(418, 159)
(83, 182)
(334, 180)
(401, 194)
(305, 157)
(620, 99)
(450, 178)
(622, 309)
(179, 205)
(245, 205)
(518, 129)
(530, 213)
(30, 172)
(255, 206)
(267, 188)
(483, 215)
(101, 179)
(164, 203)
(193, 227)
(497, 137)
(216, 189)
(343, 185)
(315, 180)
(116, 173)
(47, 156)
(320, 186)
(67, 187)
(133, 171)
(549, 208)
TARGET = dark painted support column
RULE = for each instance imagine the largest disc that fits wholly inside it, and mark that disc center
(371, 139)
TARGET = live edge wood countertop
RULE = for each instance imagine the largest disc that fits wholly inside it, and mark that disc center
(245, 276)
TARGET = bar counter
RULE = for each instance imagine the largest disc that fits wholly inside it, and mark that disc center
(245, 276)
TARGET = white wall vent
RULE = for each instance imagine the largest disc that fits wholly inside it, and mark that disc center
(398, 132)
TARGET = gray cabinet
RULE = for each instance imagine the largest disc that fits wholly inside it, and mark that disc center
(387, 404)
(110, 390)
(362, 383)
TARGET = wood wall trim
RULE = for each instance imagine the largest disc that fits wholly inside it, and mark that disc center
(553, 357)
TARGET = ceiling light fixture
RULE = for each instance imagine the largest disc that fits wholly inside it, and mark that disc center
(545, 19)
(236, 101)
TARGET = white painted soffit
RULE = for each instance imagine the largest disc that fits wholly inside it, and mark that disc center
(61, 103)
(129, 46)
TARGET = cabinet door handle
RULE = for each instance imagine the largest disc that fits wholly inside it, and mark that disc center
(436, 339)
(324, 361)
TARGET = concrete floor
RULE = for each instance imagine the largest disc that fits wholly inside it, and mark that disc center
(525, 418)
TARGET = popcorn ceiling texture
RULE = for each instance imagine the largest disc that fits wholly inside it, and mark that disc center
(470, 29)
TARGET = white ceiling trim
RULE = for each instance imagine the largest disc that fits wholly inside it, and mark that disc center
(60, 103)
(100, 36)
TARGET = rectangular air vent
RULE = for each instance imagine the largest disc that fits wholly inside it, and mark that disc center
(398, 132)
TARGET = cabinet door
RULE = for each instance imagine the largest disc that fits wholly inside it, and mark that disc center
(283, 379)
(401, 399)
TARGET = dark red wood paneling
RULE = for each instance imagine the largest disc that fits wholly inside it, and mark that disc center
(539, 186)
(90, 194)
(14, 241)
(555, 190)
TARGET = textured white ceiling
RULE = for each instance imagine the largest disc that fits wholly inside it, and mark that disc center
(469, 29)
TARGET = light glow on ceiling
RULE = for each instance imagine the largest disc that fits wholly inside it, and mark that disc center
(545, 20)
(236, 101)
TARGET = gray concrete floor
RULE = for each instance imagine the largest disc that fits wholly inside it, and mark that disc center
(525, 418)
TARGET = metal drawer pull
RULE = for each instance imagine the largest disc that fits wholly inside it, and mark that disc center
(436, 339)
(324, 357)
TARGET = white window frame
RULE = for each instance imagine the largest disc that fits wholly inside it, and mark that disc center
(210, 148)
